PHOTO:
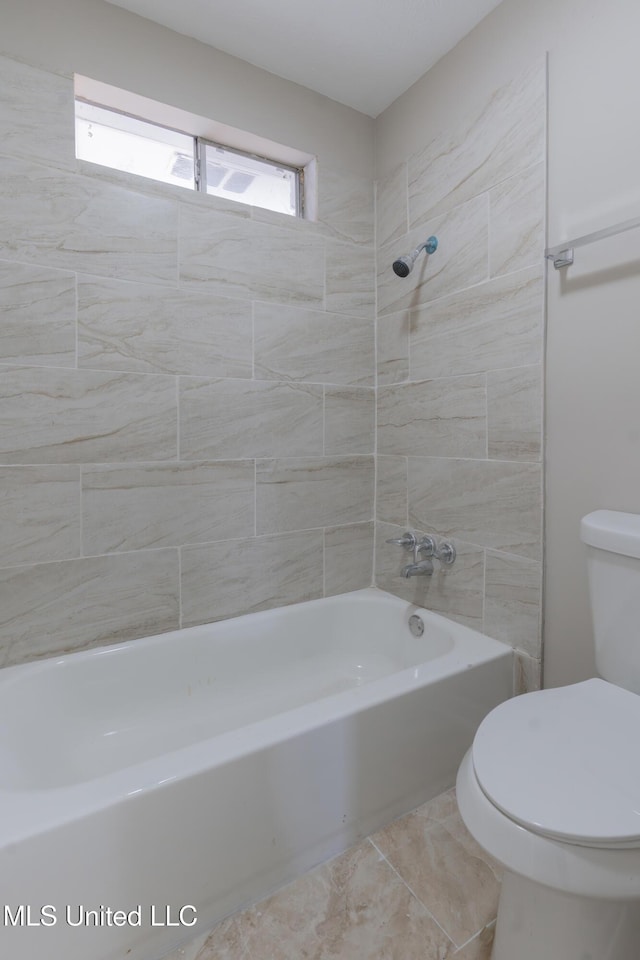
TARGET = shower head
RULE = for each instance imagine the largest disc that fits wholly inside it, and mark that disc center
(403, 266)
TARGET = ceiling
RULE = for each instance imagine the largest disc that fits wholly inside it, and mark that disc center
(363, 53)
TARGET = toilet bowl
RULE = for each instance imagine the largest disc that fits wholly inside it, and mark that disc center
(551, 785)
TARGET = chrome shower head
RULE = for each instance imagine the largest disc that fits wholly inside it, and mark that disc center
(403, 266)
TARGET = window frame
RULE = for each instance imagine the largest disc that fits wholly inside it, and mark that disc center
(200, 171)
(199, 164)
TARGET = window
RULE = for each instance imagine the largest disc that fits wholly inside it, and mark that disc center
(122, 142)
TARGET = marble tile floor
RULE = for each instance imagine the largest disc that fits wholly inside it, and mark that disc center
(420, 889)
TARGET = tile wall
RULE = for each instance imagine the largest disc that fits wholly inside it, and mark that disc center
(460, 367)
(187, 385)
(186, 396)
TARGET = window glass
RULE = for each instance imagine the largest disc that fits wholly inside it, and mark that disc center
(135, 146)
(261, 183)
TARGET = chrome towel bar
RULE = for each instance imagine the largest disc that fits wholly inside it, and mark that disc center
(562, 253)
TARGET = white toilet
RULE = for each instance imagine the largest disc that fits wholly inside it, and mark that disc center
(551, 785)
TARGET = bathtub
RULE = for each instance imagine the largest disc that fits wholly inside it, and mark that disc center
(151, 788)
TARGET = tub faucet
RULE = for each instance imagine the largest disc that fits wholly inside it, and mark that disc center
(421, 568)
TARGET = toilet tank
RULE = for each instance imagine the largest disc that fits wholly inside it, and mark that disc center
(613, 564)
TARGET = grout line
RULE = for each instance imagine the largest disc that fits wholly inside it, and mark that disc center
(486, 414)
(324, 420)
(324, 561)
(180, 587)
(475, 936)
(406, 185)
(406, 490)
(374, 571)
(75, 288)
(81, 524)
(253, 340)
(178, 419)
(489, 232)
(255, 498)
(324, 284)
(484, 588)
(178, 207)
(412, 892)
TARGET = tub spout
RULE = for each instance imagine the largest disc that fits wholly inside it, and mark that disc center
(423, 568)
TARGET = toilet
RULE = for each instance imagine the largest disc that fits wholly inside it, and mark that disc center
(551, 785)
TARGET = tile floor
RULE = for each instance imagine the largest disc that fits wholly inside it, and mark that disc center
(421, 889)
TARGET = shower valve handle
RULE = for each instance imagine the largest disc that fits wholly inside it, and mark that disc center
(407, 540)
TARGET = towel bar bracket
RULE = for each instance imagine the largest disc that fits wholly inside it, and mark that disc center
(563, 258)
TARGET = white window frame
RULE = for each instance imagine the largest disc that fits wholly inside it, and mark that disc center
(205, 132)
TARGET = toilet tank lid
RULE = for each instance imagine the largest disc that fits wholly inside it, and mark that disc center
(613, 531)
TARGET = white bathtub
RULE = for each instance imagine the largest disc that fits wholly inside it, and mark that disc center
(206, 767)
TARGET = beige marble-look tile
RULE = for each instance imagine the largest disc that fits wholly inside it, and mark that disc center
(392, 347)
(391, 489)
(455, 592)
(527, 674)
(441, 418)
(348, 558)
(64, 220)
(349, 420)
(461, 260)
(352, 907)
(297, 494)
(233, 577)
(493, 325)
(457, 828)
(345, 205)
(37, 315)
(350, 279)
(237, 257)
(504, 136)
(392, 221)
(84, 416)
(487, 502)
(480, 947)
(165, 504)
(146, 328)
(513, 597)
(514, 413)
(39, 514)
(516, 216)
(292, 343)
(457, 886)
(36, 114)
(52, 608)
(240, 419)
(442, 806)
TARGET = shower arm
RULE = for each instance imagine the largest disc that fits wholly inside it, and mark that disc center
(430, 245)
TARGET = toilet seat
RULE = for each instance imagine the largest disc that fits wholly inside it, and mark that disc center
(565, 763)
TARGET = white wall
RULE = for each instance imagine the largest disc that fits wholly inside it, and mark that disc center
(106, 43)
(593, 387)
